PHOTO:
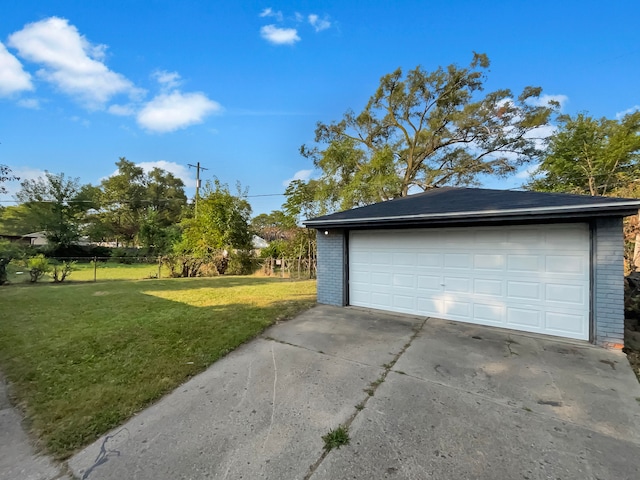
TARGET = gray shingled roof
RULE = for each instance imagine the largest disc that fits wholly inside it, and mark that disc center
(451, 205)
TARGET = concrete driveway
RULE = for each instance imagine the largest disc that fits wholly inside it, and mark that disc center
(422, 398)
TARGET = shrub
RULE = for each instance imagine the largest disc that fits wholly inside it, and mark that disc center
(38, 266)
(61, 270)
(241, 263)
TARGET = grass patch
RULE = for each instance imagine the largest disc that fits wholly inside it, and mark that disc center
(83, 358)
(84, 272)
(336, 438)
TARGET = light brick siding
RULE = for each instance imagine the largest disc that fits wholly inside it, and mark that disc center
(608, 282)
(331, 268)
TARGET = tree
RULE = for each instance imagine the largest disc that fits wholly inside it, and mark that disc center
(18, 220)
(222, 223)
(57, 205)
(425, 130)
(591, 156)
(132, 198)
(276, 225)
(5, 176)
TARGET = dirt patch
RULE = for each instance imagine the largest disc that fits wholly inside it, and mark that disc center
(100, 294)
(634, 360)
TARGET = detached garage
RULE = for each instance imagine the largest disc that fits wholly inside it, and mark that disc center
(528, 261)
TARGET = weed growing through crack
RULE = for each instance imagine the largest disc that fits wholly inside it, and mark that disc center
(360, 406)
(377, 382)
(336, 438)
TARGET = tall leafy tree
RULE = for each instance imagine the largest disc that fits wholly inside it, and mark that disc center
(57, 205)
(427, 129)
(132, 198)
(276, 225)
(591, 156)
(222, 223)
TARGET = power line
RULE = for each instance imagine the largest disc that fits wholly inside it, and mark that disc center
(113, 202)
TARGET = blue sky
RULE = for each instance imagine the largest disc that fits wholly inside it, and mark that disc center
(239, 86)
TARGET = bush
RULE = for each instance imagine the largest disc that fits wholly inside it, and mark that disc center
(61, 270)
(38, 266)
(241, 263)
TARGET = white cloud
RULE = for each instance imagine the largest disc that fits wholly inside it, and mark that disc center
(168, 112)
(303, 175)
(178, 170)
(319, 23)
(13, 78)
(621, 114)
(32, 103)
(70, 62)
(544, 100)
(166, 79)
(122, 110)
(269, 12)
(527, 172)
(279, 36)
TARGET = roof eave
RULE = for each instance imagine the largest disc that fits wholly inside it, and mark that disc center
(471, 218)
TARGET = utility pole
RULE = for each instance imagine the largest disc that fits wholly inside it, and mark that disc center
(198, 182)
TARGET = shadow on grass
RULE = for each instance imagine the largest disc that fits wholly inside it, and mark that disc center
(83, 360)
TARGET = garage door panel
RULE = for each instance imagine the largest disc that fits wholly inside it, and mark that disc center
(524, 263)
(525, 277)
(570, 264)
(519, 238)
(429, 306)
(457, 260)
(486, 261)
(381, 258)
(524, 290)
(566, 294)
(405, 302)
(430, 282)
(487, 286)
(404, 280)
(524, 318)
(457, 309)
(378, 278)
(565, 324)
(430, 260)
(489, 314)
(404, 259)
(381, 300)
(457, 284)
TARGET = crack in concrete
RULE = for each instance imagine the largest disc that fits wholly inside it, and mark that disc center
(273, 400)
(372, 389)
(283, 342)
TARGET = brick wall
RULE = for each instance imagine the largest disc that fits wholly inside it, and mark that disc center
(331, 288)
(608, 308)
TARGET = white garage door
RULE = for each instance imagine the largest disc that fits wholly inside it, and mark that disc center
(530, 278)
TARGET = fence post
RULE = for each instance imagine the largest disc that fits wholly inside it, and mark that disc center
(95, 269)
(159, 265)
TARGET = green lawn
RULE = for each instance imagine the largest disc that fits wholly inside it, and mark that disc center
(84, 357)
(84, 272)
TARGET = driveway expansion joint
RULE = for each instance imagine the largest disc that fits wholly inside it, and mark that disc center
(370, 393)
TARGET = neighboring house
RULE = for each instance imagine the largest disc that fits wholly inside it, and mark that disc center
(258, 243)
(16, 239)
(535, 262)
(39, 239)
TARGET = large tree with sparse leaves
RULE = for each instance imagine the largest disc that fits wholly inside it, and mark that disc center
(427, 129)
